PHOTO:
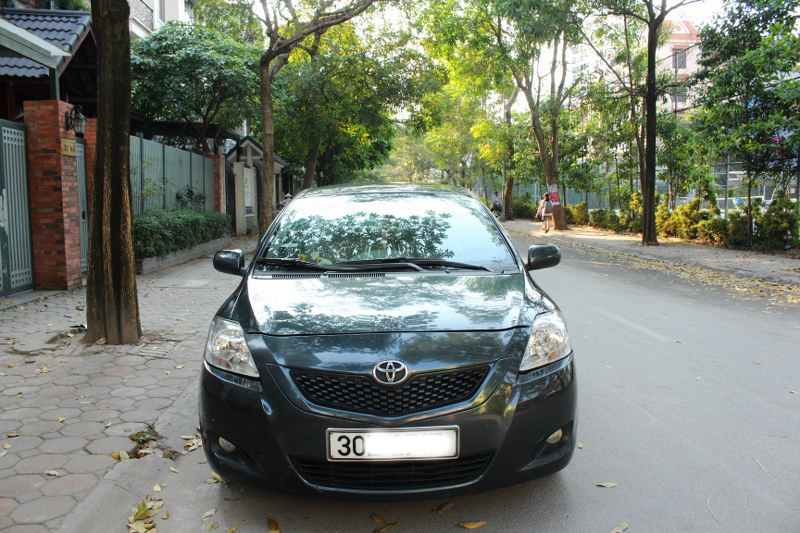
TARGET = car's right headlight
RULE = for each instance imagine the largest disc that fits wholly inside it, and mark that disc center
(549, 341)
(226, 348)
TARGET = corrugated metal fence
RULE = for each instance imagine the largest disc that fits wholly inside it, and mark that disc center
(159, 172)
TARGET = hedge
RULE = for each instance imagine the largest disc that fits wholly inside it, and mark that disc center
(158, 233)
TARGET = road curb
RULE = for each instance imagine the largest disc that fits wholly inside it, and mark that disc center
(107, 507)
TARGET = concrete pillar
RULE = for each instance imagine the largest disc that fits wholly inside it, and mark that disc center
(238, 180)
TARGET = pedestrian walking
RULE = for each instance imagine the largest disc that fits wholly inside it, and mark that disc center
(545, 211)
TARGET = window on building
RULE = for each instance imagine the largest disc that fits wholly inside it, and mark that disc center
(679, 57)
(680, 95)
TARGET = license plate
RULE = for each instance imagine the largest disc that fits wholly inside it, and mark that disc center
(392, 444)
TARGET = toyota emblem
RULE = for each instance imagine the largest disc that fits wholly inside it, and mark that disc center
(390, 372)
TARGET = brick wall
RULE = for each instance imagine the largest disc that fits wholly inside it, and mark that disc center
(219, 181)
(53, 180)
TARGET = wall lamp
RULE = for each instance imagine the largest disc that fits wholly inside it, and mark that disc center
(74, 120)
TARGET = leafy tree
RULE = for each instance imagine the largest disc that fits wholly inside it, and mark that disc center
(652, 14)
(185, 73)
(286, 28)
(112, 306)
(233, 18)
(748, 84)
(682, 156)
(335, 100)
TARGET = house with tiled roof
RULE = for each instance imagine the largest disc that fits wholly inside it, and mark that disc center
(71, 78)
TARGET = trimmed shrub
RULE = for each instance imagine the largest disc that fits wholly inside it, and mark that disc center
(777, 227)
(569, 217)
(580, 213)
(158, 233)
(665, 226)
(598, 218)
(714, 230)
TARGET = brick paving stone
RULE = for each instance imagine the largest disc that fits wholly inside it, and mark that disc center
(28, 453)
(128, 360)
(154, 403)
(5, 523)
(141, 415)
(99, 415)
(39, 463)
(72, 379)
(15, 485)
(105, 381)
(107, 445)
(7, 426)
(124, 429)
(39, 427)
(7, 505)
(87, 464)
(125, 392)
(9, 460)
(26, 497)
(42, 509)
(142, 381)
(23, 413)
(162, 392)
(122, 371)
(55, 414)
(22, 389)
(24, 442)
(91, 391)
(63, 445)
(68, 484)
(82, 429)
(114, 403)
(57, 391)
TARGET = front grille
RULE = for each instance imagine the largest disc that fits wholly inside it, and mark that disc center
(400, 475)
(360, 394)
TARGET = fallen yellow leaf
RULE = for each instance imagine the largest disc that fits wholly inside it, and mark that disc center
(620, 528)
(53, 473)
(157, 488)
(443, 508)
(472, 525)
(173, 469)
(211, 512)
(232, 529)
(272, 524)
(61, 418)
(607, 485)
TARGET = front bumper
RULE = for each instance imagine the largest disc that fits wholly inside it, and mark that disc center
(276, 441)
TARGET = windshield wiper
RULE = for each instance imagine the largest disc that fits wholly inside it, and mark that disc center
(347, 266)
(281, 261)
(420, 262)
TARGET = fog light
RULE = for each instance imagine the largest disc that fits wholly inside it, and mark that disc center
(552, 439)
(229, 447)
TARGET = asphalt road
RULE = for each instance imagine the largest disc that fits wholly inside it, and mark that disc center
(685, 403)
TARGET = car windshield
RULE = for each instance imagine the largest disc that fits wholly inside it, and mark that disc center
(329, 229)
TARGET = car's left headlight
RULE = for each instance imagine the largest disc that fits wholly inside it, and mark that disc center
(549, 341)
(226, 348)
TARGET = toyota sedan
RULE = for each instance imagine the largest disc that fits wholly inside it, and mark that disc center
(387, 341)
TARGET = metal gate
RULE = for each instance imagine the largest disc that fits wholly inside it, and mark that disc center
(16, 257)
(80, 159)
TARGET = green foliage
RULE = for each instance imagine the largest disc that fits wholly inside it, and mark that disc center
(157, 233)
(580, 213)
(335, 101)
(522, 206)
(778, 226)
(185, 73)
(713, 230)
(188, 198)
(738, 223)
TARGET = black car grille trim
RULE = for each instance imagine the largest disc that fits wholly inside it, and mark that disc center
(361, 394)
(358, 275)
(400, 475)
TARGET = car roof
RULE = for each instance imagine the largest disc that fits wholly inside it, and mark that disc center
(411, 189)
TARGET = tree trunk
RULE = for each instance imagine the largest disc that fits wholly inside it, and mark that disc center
(268, 174)
(508, 186)
(749, 208)
(649, 236)
(112, 307)
(311, 165)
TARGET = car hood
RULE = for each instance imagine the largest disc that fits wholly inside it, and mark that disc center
(321, 305)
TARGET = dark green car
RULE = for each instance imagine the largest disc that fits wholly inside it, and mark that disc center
(387, 340)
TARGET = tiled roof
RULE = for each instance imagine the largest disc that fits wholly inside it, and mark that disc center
(63, 29)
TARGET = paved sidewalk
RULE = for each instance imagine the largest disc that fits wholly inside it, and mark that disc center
(774, 268)
(65, 407)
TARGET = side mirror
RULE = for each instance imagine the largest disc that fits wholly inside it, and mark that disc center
(230, 262)
(543, 256)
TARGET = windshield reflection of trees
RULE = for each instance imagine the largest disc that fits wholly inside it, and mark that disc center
(423, 351)
(394, 303)
(361, 235)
